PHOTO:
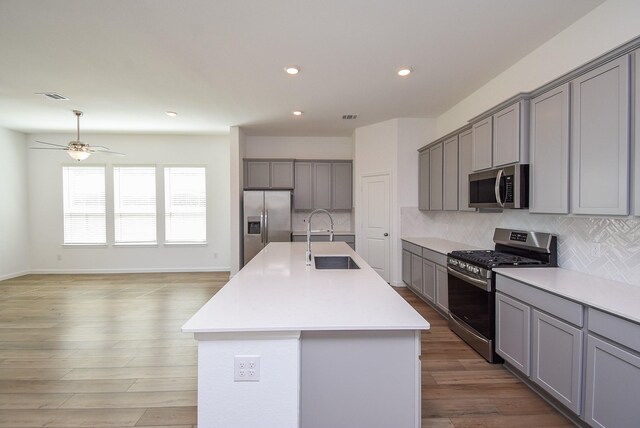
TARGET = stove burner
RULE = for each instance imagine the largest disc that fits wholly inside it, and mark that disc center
(489, 258)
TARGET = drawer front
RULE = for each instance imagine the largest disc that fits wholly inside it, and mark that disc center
(437, 258)
(412, 248)
(617, 329)
(564, 309)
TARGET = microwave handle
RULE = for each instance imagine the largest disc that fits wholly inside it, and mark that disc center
(497, 188)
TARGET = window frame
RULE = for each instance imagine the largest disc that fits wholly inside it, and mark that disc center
(166, 242)
(106, 206)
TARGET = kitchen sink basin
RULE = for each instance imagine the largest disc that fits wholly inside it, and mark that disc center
(335, 262)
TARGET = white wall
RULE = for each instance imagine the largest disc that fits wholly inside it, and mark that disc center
(604, 28)
(14, 211)
(299, 147)
(237, 151)
(390, 147)
(45, 205)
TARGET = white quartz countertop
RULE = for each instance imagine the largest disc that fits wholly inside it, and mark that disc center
(439, 245)
(276, 291)
(614, 297)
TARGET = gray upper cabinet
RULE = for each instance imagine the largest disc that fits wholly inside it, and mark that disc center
(268, 174)
(465, 140)
(303, 192)
(450, 174)
(423, 180)
(482, 145)
(435, 177)
(342, 186)
(257, 174)
(600, 140)
(510, 135)
(636, 120)
(549, 152)
(322, 185)
(282, 176)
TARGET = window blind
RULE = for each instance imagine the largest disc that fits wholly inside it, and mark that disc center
(185, 204)
(84, 210)
(134, 205)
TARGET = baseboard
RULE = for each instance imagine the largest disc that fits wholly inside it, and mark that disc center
(14, 275)
(138, 270)
(398, 284)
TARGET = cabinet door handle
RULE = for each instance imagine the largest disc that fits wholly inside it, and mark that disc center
(386, 234)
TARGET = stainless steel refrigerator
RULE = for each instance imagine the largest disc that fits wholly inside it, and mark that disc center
(266, 218)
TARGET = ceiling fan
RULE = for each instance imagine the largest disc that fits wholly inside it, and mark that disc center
(77, 149)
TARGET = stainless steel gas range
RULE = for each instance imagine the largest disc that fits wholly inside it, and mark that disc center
(472, 283)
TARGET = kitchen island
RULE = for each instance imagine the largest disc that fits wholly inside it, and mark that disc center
(334, 348)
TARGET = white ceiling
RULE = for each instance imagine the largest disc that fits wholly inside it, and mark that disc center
(220, 63)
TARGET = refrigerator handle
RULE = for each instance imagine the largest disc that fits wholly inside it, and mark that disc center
(262, 227)
(266, 227)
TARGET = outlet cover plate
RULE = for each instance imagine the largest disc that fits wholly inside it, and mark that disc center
(246, 368)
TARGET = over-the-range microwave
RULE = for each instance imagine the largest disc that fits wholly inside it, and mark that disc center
(506, 187)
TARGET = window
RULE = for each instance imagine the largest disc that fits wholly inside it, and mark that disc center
(185, 204)
(84, 205)
(134, 205)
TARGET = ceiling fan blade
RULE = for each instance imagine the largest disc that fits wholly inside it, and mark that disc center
(49, 148)
(100, 147)
(109, 152)
(51, 144)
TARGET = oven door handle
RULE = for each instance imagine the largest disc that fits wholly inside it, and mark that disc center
(485, 285)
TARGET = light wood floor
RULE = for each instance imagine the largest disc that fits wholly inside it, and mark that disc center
(107, 351)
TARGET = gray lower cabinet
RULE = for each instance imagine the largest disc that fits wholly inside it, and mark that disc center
(442, 289)
(549, 152)
(513, 331)
(465, 152)
(268, 174)
(416, 273)
(349, 239)
(482, 144)
(435, 177)
(613, 371)
(429, 280)
(406, 267)
(423, 180)
(557, 359)
(600, 140)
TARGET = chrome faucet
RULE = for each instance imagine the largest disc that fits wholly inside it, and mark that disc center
(320, 210)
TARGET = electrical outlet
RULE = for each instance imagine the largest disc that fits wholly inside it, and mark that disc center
(246, 368)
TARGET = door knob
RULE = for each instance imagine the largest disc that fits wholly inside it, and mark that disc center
(386, 234)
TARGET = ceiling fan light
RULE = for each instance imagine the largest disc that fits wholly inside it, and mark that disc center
(78, 155)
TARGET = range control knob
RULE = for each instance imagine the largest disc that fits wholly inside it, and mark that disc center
(453, 262)
(476, 270)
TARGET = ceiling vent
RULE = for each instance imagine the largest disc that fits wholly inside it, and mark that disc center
(349, 116)
(53, 96)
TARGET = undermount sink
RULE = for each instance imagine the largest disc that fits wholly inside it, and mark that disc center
(335, 262)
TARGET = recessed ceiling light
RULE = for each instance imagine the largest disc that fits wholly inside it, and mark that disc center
(172, 114)
(292, 69)
(53, 96)
(404, 72)
(297, 113)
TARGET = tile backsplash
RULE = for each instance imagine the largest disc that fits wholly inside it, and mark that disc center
(601, 246)
(342, 221)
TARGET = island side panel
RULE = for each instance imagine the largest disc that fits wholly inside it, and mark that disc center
(360, 379)
(272, 402)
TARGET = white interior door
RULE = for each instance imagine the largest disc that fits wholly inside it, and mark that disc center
(375, 225)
